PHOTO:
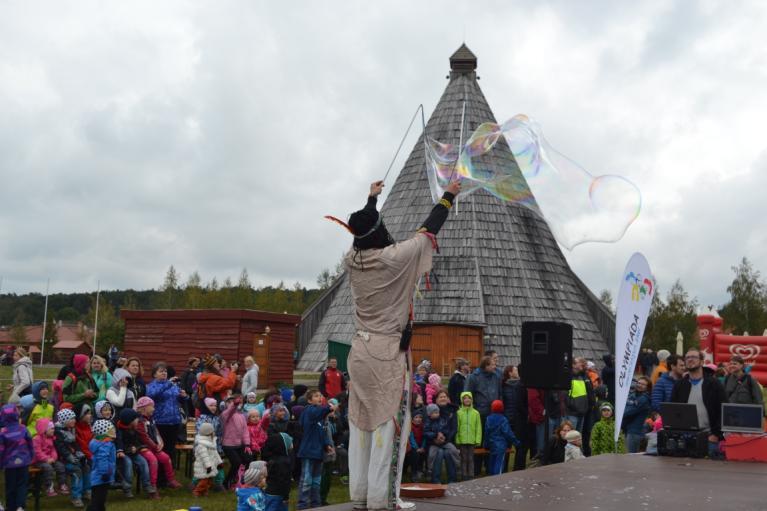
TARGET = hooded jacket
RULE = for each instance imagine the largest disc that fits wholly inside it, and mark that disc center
(104, 461)
(42, 408)
(485, 387)
(278, 454)
(206, 457)
(314, 439)
(166, 402)
(16, 448)
(22, 379)
(79, 381)
(498, 433)
(45, 448)
(257, 435)
(120, 397)
(661, 391)
(235, 427)
(637, 409)
(602, 438)
(469, 424)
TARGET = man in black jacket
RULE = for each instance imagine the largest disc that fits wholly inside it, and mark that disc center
(458, 381)
(704, 391)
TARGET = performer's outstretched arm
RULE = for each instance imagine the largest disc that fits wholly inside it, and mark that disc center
(438, 215)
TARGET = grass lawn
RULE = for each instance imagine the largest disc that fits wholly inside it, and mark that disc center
(177, 499)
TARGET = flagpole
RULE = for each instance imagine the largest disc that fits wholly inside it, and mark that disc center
(45, 321)
(96, 322)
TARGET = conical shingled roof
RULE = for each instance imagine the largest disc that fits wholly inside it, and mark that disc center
(498, 265)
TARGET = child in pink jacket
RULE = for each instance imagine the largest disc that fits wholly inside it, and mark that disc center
(434, 386)
(256, 431)
(47, 459)
(235, 440)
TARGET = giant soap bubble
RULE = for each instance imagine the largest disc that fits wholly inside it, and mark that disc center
(578, 206)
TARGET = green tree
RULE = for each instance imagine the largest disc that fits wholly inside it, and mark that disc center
(68, 314)
(745, 312)
(111, 329)
(606, 298)
(676, 314)
(193, 292)
(170, 288)
(19, 332)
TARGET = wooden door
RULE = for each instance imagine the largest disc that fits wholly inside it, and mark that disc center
(261, 348)
(443, 344)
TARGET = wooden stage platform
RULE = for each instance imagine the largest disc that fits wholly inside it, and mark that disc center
(612, 482)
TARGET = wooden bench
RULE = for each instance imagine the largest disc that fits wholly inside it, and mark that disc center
(36, 479)
(186, 448)
(481, 451)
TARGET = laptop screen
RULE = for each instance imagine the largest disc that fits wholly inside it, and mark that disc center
(679, 416)
(742, 418)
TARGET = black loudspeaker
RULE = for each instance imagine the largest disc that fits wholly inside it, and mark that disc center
(547, 353)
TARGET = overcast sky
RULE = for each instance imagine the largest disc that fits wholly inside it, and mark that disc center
(215, 135)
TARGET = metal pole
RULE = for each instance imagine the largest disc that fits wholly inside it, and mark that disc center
(96, 322)
(45, 321)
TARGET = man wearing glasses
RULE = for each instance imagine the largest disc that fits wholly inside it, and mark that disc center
(706, 393)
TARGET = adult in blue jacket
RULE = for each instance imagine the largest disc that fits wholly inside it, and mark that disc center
(637, 409)
(661, 391)
(168, 399)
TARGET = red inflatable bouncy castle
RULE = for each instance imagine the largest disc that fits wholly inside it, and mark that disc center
(719, 347)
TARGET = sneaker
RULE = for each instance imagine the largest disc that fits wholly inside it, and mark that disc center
(128, 494)
(77, 503)
(174, 484)
(401, 504)
(150, 489)
(64, 489)
(51, 491)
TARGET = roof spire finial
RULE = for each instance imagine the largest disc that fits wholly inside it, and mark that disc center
(462, 62)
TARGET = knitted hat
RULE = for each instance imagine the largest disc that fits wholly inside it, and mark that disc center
(572, 435)
(210, 401)
(99, 407)
(606, 406)
(255, 473)
(333, 402)
(206, 429)
(250, 394)
(497, 406)
(210, 360)
(434, 379)
(144, 401)
(418, 412)
(101, 428)
(663, 355)
(287, 395)
(64, 415)
(432, 408)
(128, 415)
(10, 415)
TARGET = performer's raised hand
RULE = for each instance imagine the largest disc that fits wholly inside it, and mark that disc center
(454, 187)
(376, 188)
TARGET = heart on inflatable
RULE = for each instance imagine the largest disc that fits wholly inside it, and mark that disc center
(747, 351)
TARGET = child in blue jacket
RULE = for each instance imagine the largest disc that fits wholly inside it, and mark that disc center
(498, 436)
(250, 496)
(104, 461)
(439, 431)
(313, 445)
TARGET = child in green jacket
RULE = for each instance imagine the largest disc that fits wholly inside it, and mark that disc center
(469, 434)
(603, 433)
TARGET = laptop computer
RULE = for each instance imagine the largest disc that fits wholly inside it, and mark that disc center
(738, 418)
(679, 416)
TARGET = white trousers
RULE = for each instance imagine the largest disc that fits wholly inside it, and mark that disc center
(374, 473)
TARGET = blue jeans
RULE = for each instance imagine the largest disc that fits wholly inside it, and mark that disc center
(577, 422)
(497, 462)
(633, 440)
(436, 470)
(309, 486)
(540, 438)
(713, 451)
(125, 466)
(275, 503)
(75, 471)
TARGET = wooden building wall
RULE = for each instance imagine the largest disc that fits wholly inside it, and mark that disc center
(175, 335)
(442, 344)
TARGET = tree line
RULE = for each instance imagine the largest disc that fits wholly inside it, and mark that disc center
(746, 311)
(17, 311)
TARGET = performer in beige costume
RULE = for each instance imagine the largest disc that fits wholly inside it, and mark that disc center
(383, 276)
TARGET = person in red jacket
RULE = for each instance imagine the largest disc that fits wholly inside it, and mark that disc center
(537, 419)
(332, 380)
